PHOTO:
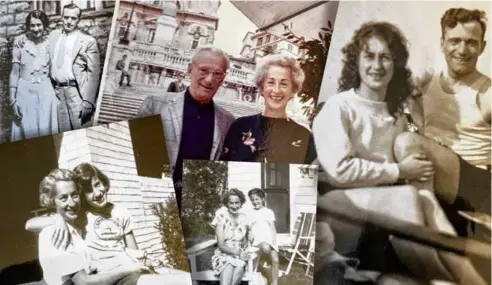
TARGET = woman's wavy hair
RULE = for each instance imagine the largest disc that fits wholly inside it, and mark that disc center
(85, 172)
(233, 192)
(400, 86)
(37, 14)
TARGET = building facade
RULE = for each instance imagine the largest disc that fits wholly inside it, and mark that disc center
(290, 190)
(96, 21)
(159, 38)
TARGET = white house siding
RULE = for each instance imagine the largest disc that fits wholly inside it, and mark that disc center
(247, 175)
(109, 147)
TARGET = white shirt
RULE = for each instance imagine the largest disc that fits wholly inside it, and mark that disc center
(60, 265)
(65, 72)
(457, 120)
(354, 141)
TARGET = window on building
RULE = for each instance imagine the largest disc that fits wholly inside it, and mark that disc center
(289, 47)
(274, 47)
(267, 39)
(151, 35)
(85, 4)
(260, 41)
(121, 31)
(276, 186)
(108, 4)
(49, 7)
(194, 44)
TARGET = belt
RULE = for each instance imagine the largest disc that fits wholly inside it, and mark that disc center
(71, 83)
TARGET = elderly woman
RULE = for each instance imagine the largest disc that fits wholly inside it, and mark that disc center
(270, 136)
(113, 259)
(231, 226)
(32, 98)
(354, 135)
(59, 193)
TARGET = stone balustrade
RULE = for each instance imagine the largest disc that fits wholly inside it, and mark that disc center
(174, 59)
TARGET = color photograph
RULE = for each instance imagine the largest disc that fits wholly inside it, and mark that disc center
(402, 140)
(249, 222)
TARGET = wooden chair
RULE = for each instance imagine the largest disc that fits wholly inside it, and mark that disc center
(303, 239)
(251, 276)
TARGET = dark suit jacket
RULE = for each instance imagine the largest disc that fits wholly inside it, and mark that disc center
(171, 106)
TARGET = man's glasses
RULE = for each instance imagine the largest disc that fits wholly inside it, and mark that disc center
(203, 72)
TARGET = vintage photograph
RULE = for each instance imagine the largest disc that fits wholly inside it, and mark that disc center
(52, 54)
(402, 140)
(91, 206)
(241, 77)
(249, 223)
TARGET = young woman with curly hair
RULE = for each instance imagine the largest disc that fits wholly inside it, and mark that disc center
(354, 136)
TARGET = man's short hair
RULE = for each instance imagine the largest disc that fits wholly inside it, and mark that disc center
(72, 6)
(453, 16)
(213, 50)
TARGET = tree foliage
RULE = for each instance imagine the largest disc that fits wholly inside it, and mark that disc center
(313, 64)
(169, 226)
(203, 184)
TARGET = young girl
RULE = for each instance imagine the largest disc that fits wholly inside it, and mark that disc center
(263, 232)
(108, 229)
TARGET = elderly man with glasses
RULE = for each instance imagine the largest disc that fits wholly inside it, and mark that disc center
(194, 126)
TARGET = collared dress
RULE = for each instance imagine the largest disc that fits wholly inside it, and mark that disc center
(258, 138)
(35, 93)
(235, 231)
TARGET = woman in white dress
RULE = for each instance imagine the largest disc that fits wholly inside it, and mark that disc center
(32, 96)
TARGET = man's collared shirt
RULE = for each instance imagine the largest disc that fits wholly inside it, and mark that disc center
(197, 135)
(65, 72)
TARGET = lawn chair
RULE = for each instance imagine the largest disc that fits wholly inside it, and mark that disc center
(302, 242)
(250, 276)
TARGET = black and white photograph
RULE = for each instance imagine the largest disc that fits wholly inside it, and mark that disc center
(91, 206)
(52, 54)
(249, 223)
(402, 141)
(240, 77)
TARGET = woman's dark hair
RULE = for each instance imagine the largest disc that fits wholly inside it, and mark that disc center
(400, 86)
(233, 192)
(36, 14)
(258, 192)
(85, 172)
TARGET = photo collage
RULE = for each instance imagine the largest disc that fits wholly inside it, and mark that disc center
(199, 142)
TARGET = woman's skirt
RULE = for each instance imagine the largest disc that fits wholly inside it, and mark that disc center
(38, 104)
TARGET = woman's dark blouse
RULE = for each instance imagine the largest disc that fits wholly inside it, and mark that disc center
(261, 139)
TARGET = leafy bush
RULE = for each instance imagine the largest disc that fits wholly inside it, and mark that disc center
(169, 226)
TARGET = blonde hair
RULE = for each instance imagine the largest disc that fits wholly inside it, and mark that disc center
(47, 187)
(284, 61)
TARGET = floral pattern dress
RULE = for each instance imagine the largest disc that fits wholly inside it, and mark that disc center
(235, 234)
(261, 139)
(35, 93)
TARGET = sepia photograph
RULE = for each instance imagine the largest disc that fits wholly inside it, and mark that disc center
(52, 54)
(91, 206)
(402, 140)
(249, 223)
(241, 77)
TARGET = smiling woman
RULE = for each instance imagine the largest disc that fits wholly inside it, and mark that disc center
(271, 136)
